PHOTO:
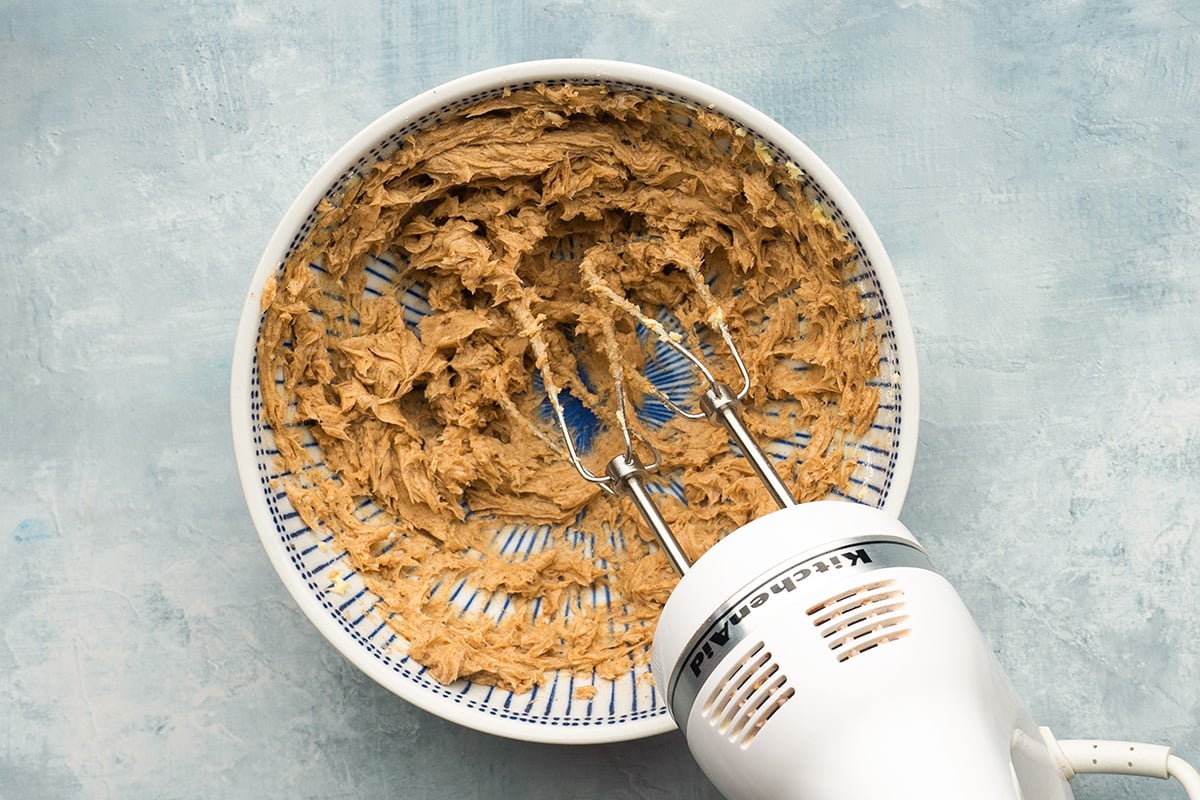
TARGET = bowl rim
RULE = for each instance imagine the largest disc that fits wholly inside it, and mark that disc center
(361, 146)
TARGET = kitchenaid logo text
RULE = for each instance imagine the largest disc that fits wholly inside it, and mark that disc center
(726, 628)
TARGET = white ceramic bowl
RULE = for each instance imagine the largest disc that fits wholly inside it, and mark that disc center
(623, 709)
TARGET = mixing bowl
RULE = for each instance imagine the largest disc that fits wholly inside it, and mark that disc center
(320, 577)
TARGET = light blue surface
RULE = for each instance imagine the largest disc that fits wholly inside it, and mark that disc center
(1033, 171)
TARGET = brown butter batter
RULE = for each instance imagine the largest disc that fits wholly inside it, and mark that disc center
(495, 214)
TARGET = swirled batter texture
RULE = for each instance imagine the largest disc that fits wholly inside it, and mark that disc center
(422, 441)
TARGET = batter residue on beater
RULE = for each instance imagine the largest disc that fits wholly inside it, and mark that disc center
(494, 217)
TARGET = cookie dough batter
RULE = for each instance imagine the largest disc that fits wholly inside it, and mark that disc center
(424, 445)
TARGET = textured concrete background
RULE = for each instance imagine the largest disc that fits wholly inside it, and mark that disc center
(1031, 168)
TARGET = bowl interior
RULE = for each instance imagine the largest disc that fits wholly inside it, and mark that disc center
(322, 579)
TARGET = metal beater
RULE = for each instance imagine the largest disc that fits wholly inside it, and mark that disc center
(626, 473)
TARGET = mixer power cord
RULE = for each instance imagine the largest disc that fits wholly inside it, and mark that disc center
(1081, 756)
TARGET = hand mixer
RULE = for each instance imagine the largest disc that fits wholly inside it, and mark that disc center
(816, 652)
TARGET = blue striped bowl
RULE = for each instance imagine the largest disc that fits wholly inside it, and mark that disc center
(319, 576)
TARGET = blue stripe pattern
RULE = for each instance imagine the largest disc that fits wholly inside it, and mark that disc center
(632, 698)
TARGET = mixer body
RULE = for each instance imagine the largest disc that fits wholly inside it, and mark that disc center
(815, 653)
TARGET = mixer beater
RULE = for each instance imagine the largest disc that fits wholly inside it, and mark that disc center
(815, 652)
(626, 473)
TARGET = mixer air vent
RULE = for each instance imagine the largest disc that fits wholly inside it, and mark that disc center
(862, 619)
(747, 696)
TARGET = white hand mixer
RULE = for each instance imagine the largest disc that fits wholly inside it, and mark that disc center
(816, 652)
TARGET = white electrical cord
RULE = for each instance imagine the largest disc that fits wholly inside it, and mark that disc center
(1079, 756)
(1186, 774)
